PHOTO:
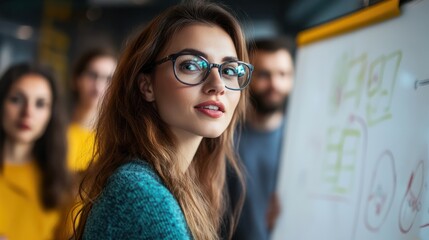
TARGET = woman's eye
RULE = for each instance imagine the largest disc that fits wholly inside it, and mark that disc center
(230, 72)
(40, 103)
(190, 66)
(16, 99)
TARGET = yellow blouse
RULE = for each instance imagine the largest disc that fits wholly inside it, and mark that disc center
(21, 212)
(80, 147)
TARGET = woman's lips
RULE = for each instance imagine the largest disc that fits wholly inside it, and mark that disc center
(213, 109)
(23, 126)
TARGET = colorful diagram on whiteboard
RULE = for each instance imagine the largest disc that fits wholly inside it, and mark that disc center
(411, 202)
(381, 83)
(345, 153)
(349, 82)
(381, 192)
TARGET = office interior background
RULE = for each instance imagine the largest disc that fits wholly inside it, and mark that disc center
(55, 32)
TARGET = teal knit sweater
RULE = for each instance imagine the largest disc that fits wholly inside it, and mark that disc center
(136, 205)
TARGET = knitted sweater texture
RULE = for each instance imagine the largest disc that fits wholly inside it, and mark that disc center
(135, 204)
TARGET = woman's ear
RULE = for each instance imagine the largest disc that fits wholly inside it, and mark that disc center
(146, 87)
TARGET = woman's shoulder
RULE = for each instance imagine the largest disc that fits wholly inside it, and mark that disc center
(138, 177)
(135, 202)
(136, 167)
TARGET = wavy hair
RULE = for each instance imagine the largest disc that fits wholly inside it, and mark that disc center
(130, 127)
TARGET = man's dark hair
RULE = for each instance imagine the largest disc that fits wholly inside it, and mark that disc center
(272, 44)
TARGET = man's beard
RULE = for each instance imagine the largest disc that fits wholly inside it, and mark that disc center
(264, 108)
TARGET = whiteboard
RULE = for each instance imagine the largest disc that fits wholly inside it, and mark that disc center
(355, 162)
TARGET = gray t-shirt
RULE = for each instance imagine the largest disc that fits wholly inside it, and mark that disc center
(260, 153)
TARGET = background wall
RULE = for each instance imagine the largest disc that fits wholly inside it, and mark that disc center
(57, 31)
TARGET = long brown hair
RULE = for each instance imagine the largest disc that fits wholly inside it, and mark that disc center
(50, 149)
(131, 127)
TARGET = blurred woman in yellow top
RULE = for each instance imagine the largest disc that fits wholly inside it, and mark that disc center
(91, 76)
(33, 175)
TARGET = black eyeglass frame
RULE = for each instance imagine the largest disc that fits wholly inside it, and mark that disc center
(174, 56)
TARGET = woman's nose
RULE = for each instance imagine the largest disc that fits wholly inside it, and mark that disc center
(214, 83)
(26, 110)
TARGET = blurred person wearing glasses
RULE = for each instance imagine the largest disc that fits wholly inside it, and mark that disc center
(165, 133)
(260, 139)
(91, 76)
(34, 182)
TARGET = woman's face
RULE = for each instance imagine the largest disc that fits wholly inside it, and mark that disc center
(186, 109)
(27, 109)
(93, 82)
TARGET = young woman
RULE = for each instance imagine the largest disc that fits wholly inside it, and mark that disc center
(91, 75)
(164, 136)
(33, 176)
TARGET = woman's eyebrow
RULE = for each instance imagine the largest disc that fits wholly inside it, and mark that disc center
(193, 51)
(229, 58)
(199, 53)
(17, 92)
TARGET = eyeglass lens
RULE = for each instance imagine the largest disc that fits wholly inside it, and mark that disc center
(94, 75)
(191, 69)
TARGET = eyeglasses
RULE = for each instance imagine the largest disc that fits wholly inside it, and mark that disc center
(191, 69)
(93, 75)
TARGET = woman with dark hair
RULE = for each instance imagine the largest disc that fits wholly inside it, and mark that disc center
(33, 178)
(165, 132)
(91, 75)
